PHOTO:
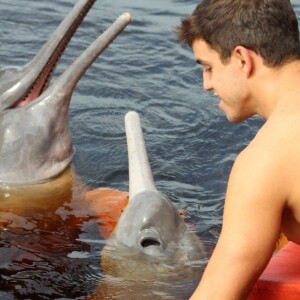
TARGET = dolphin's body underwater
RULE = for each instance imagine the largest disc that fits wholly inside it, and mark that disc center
(35, 139)
(151, 242)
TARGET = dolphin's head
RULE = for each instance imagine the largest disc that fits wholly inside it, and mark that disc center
(35, 139)
(151, 241)
(150, 224)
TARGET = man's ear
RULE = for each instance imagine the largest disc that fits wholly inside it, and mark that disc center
(244, 59)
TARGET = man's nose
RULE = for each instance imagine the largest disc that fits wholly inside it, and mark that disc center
(207, 84)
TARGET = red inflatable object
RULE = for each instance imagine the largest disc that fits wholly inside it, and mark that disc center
(281, 278)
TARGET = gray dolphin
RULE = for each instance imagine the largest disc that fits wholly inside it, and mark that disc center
(35, 140)
(151, 244)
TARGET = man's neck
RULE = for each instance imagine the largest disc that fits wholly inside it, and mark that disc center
(274, 88)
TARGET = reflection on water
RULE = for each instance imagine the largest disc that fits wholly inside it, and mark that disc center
(50, 248)
(36, 238)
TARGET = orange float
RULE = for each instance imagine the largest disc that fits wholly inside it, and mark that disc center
(281, 278)
(109, 204)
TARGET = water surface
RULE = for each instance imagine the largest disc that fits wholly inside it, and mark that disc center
(191, 145)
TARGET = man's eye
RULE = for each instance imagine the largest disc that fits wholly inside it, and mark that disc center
(207, 69)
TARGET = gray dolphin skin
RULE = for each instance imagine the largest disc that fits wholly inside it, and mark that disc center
(151, 241)
(35, 139)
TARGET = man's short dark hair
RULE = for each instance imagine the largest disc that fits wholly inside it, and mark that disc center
(268, 27)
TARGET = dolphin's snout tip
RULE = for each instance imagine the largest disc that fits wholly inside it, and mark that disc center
(126, 16)
(130, 116)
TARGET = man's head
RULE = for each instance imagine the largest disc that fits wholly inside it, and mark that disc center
(268, 27)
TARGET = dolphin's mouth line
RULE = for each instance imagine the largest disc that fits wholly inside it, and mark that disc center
(42, 81)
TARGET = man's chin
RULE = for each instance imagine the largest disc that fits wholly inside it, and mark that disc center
(236, 118)
(231, 116)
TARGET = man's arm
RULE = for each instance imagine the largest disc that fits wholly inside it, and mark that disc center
(251, 223)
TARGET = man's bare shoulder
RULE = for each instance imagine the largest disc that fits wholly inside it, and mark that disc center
(271, 165)
(277, 141)
(267, 164)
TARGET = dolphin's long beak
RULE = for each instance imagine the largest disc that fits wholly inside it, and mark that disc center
(140, 174)
(21, 85)
(71, 76)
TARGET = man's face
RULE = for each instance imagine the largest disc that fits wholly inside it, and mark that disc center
(226, 80)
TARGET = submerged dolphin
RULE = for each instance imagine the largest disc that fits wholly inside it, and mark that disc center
(35, 140)
(151, 244)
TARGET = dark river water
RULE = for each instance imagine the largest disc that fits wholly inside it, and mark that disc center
(190, 144)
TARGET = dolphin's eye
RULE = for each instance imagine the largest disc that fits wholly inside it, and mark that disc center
(149, 242)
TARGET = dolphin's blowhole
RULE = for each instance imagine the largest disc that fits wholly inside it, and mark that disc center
(147, 242)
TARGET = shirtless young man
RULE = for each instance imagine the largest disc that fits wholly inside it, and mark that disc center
(250, 53)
